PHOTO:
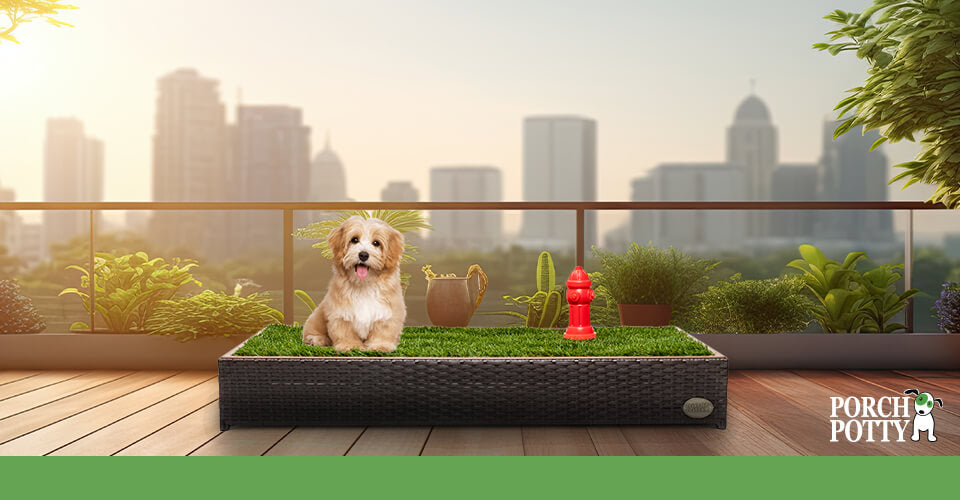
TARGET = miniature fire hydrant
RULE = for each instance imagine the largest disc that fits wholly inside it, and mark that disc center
(579, 296)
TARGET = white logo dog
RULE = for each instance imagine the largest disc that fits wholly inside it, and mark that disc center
(923, 420)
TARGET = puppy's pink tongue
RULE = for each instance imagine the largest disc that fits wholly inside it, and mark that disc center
(362, 272)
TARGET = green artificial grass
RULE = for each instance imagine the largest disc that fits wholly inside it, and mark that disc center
(283, 340)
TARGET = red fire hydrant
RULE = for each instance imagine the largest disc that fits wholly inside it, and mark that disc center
(579, 296)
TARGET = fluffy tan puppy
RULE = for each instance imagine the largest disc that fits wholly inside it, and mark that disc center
(364, 307)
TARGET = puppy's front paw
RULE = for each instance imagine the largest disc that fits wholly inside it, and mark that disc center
(318, 340)
(347, 346)
(382, 346)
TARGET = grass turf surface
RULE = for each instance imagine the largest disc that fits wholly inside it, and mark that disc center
(283, 340)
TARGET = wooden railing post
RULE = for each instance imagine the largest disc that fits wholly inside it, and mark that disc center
(908, 270)
(288, 266)
(580, 231)
(93, 277)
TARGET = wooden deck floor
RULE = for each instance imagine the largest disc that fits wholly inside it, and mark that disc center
(175, 413)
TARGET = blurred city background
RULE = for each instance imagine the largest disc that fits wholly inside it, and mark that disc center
(431, 101)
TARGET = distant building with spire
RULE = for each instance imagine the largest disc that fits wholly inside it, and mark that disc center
(328, 179)
(752, 143)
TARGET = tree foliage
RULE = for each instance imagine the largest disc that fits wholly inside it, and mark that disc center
(913, 84)
(18, 12)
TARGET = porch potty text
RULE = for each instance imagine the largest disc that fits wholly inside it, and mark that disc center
(869, 419)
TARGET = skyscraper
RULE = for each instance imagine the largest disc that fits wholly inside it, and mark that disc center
(690, 230)
(328, 180)
(752, 143)
(793, 182)
(559, 164)
(849, 171)
(72, 171)
(480, 229)
(399, 191)
(189, 162)
(270, 161)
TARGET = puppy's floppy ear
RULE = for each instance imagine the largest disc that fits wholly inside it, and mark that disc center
(911, 391)
(394, 248)
(940, 401)
(335, 240)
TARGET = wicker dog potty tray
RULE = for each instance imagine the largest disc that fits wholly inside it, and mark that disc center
(357, 391)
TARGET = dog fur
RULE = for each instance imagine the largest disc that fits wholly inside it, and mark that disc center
(368, 312)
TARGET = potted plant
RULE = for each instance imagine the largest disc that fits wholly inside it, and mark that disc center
(17, 312)
(650, 285)
(948, 308)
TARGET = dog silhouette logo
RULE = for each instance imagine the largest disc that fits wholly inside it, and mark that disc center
(923, 419)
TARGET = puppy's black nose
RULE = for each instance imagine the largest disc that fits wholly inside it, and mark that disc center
(364, 256)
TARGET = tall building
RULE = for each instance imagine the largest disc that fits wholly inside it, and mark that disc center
(752, 143)
(559, 164)
(399, 191)
(793, 182)
(328, 179)
(480, 229)
(691, 230)
(189, 162)
(8, 221)
(73, 172)
(849, 171)
(269, 161)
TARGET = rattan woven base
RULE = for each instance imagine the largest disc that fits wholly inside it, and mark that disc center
(351, 391)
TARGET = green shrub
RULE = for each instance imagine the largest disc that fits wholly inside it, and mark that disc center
(212, 314)
(847, 301)
(650, 275)
(753, 306)
(129, 287)
(17, 312)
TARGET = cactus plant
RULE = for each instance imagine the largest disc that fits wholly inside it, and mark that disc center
(546, 305)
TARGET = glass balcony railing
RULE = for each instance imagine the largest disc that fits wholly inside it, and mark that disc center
(239, 249)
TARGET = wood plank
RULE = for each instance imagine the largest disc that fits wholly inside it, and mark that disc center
(316, 441)
(610, 441)
(123, 433)
(898, 383)
(666, 439)
(390, 441)
(242, 441)
(7, 376)
(22, 423)
(44, 395)
(947, 380)
(744, 437)
(557, 441)
(474, 441)
(800, 427)
(51, 437)
(181, 437)
(947, 428)
(35, 382)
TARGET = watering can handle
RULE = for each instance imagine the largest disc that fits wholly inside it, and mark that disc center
(482, 278)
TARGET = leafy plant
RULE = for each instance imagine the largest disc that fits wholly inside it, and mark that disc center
(20, 12)
(212, 314)
(545, 306)
(129, 287)
(881, 300)
(848, 302)
(753, 306)
(913, 83)
(17, 312)
(649, 275)
(948, 308)
(401, 220)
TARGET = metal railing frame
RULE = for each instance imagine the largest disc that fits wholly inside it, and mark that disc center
(579, 207)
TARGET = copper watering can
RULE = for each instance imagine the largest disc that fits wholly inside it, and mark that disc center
(452, 300)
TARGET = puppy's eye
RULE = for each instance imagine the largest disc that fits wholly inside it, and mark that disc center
(354, 240)
(376, 243)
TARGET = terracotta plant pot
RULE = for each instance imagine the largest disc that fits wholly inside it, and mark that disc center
(644, 315)
(451, 301)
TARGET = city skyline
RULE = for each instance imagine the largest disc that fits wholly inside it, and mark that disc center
(402, 102)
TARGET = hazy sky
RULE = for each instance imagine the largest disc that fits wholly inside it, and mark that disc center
(405, 85)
